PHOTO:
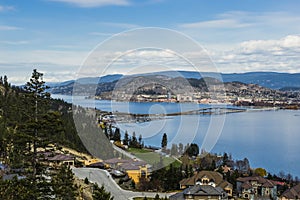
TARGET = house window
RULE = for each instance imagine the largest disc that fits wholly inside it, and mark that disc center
(205, 181)
(143, 174)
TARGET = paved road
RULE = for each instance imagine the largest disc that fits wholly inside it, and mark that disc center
(102, 177)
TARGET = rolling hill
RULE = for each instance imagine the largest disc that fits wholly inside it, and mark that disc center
(272, 80)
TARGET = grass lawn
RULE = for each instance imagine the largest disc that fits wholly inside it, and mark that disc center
(152, 157)
(137, 150)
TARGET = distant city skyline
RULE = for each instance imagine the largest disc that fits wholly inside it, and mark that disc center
(56, 36)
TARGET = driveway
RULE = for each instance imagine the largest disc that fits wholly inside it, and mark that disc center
(102, 177)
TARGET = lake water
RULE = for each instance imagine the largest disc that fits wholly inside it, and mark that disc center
(269, 139)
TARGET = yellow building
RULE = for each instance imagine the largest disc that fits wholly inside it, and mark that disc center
(135, 170)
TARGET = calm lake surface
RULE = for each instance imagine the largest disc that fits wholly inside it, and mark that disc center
(269, 139)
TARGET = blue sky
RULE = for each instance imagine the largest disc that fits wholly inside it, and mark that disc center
(56, 36)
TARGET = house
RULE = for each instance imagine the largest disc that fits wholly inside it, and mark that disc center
(115, 162)
(62, 159)
(255, 187)
(202, 192)
(184, 98)
(135, 170)
(211, 178)
(292, 193)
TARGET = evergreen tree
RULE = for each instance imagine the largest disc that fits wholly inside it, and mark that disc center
(16, 189)
(164, 142)
(133, 141)
(156, 197)
(35, 89)
(30, 120)
(41, 127)
(193, 150)
(63, 184)
(140, 141)
(110, 132)
(5, 82)
(213, 165)
(101, 194)
(129, 141)
(106, 131)
(117, 135)
(225, 158)
(126, 138)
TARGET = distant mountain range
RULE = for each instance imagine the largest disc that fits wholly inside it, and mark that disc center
(273, 80)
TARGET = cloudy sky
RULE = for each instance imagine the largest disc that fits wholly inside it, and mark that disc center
(59, 36)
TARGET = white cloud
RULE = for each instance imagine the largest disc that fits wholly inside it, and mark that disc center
(6, 8)
(245, 41)
(57, 65)
(239, 19)
(235, 27)
(219, 23)
(95, 3)
(288, 44)
(280, 55)
(145, 60)
(291, 41)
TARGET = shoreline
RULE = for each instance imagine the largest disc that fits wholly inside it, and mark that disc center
(256, 105)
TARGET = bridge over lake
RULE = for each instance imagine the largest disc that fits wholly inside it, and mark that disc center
(200, 111)
(215, 110)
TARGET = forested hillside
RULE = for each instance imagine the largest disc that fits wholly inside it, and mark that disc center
(29, 122)
(16, 106)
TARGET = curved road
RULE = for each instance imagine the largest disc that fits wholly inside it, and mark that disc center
(102, 177)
